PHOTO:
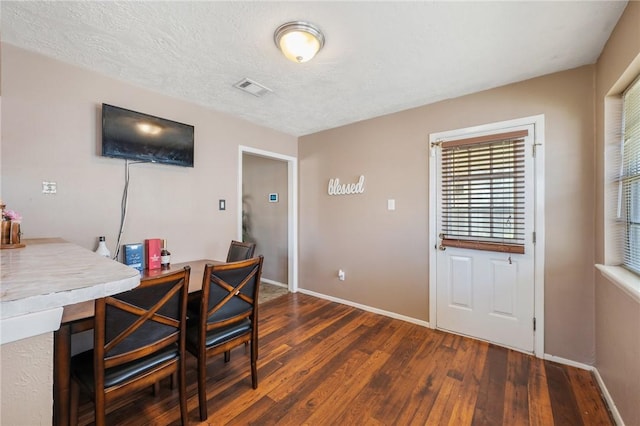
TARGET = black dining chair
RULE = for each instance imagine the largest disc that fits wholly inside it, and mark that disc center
(239, 250)
(225, 316)
(139, 338)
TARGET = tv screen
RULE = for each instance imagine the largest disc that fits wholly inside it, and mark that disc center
(136, 136)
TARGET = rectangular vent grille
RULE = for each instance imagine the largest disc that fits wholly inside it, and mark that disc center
(251, 87)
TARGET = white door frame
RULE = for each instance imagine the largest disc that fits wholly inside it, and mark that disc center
(539, 180)
(292, 216)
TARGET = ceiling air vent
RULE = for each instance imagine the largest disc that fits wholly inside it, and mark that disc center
(252, 87)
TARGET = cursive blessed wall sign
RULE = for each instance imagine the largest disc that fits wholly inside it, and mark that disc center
(337, 188)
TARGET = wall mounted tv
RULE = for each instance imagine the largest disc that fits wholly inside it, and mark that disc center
(140, 137)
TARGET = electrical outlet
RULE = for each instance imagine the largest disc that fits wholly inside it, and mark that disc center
(341, 275)
(49, 187)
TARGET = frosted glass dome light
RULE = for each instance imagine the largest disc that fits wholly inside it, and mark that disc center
(299, 41)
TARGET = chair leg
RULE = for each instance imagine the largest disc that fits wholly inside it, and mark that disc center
(202, 386)
(73, 402)
(254, 375)
(182, 386)
(156, 388)
(100, 407)
(227, 356)
(174, 380)
(254, 365)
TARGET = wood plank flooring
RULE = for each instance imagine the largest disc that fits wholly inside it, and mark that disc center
(323, 363)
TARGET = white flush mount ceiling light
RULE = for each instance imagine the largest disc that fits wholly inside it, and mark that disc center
(299, 41)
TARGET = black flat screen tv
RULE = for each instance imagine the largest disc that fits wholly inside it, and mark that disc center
(141, 137)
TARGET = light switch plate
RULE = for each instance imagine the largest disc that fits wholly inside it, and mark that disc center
(391, 204)
(222, 205)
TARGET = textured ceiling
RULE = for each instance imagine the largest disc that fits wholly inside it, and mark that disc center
(379, 57)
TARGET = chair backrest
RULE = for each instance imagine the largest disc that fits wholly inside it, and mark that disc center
(239, 250)
(230, 291)
(142, 321)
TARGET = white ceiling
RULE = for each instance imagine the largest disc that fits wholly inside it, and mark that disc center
(379, 57)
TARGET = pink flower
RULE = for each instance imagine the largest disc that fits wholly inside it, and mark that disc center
(11, 215)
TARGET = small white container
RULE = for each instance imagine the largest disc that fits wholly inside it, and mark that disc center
(102, 249)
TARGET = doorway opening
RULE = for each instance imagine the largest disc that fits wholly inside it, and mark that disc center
(285, 253)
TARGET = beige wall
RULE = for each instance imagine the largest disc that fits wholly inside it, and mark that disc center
(268, 221)
(51, 131)
(385, 253)
(617, 314)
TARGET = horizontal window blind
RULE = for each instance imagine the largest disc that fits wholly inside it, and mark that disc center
(483, 200)
(630, 177)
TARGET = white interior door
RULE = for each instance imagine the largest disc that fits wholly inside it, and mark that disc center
(485, 229)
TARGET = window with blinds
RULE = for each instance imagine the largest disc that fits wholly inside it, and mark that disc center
(629, 195)
(483, 199)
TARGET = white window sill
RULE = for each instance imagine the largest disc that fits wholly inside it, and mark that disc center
(623, 278)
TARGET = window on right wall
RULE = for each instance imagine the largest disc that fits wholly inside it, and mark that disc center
(628, 208)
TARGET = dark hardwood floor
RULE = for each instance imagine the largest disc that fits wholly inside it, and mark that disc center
(323, 363)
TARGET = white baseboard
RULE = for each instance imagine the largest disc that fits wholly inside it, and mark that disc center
(603, 388)
(274, 282)
(365, 307)
(607, 397)
(568, 362)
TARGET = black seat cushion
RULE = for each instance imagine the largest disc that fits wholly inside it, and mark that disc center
(82, 366)
(218, 336)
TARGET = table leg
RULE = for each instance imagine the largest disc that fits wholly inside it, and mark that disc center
(61, 374)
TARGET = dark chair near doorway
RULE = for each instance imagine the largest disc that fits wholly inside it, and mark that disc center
(239, 250)
(139, 338)
(227, 316)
